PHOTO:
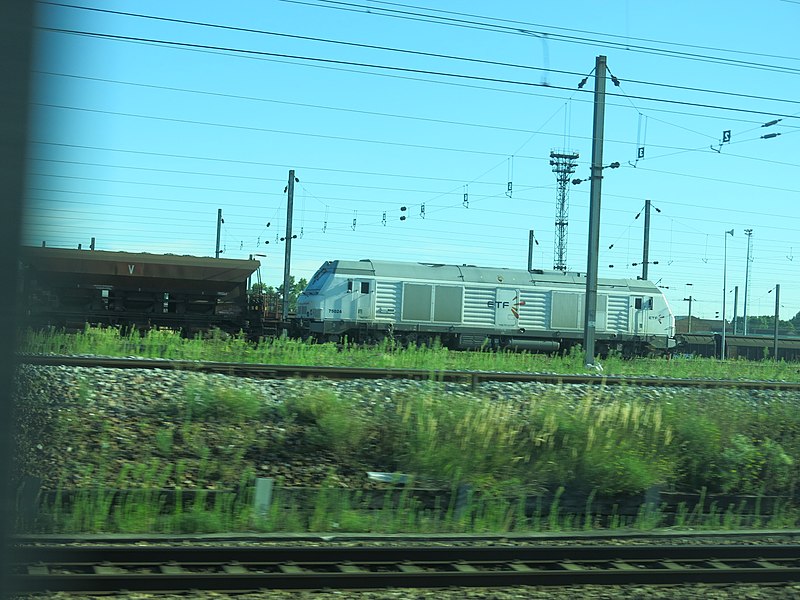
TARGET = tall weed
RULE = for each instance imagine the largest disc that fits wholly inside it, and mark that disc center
(204, 400)
(332, 422)
(223, 347)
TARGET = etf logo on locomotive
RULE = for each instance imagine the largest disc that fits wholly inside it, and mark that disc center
(497, 304)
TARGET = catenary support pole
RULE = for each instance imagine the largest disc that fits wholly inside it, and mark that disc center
(749, 234)
(689, 323)
(724, 292)
(590, 314)
(288, 252)
(531, 241)
(646, 248)
(777, 321)
(219, 230)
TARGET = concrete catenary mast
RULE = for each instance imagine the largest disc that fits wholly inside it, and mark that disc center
(749, 234)
(590, 313)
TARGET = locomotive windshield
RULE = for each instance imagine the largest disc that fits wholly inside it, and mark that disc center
(319, 279)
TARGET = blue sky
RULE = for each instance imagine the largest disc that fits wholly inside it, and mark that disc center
(146, 123)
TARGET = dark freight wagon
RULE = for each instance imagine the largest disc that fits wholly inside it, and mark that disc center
(68, 288)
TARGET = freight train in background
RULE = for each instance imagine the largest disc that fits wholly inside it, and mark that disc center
(463, 306)
(67, 288)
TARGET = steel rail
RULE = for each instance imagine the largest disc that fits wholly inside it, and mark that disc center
(266, 540)
(149, 568)
(266, 371)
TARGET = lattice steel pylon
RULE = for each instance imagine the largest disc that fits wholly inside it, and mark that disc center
(563, 164)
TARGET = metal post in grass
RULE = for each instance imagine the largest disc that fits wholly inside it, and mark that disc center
(263, 496)
(464, 497)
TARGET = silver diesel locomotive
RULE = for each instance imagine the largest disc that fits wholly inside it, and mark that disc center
(466, 306)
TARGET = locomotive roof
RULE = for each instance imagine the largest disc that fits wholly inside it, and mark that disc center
(474, 274)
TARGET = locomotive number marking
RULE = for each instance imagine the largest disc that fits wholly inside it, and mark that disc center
(337, 311)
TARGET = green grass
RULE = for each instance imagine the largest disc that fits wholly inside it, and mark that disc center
(489, 452)
(617, 440)
(221, 347)
(150, 510)
(215, 435)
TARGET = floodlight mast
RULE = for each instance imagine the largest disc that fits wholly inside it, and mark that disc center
(563, 164)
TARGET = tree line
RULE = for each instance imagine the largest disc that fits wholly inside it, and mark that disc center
(273, 295)
(766, 324)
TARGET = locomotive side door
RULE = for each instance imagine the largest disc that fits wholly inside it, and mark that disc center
(506, 308)
(642, 308)
(364, 299)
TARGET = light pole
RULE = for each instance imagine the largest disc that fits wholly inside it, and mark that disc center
(724, 290)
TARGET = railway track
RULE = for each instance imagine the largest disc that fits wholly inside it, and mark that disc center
(169, 568)
(325, 372)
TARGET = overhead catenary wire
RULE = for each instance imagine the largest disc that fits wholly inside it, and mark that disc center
(418, 52)
(237, 161)
(323, 136)
(576, 39)
(513, 82)
(515, 23)
(282, 131)
(382, 114)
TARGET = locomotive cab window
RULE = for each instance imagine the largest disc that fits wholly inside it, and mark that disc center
(365, 287)
(644, 303)
(349, 285)
(320, 278)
